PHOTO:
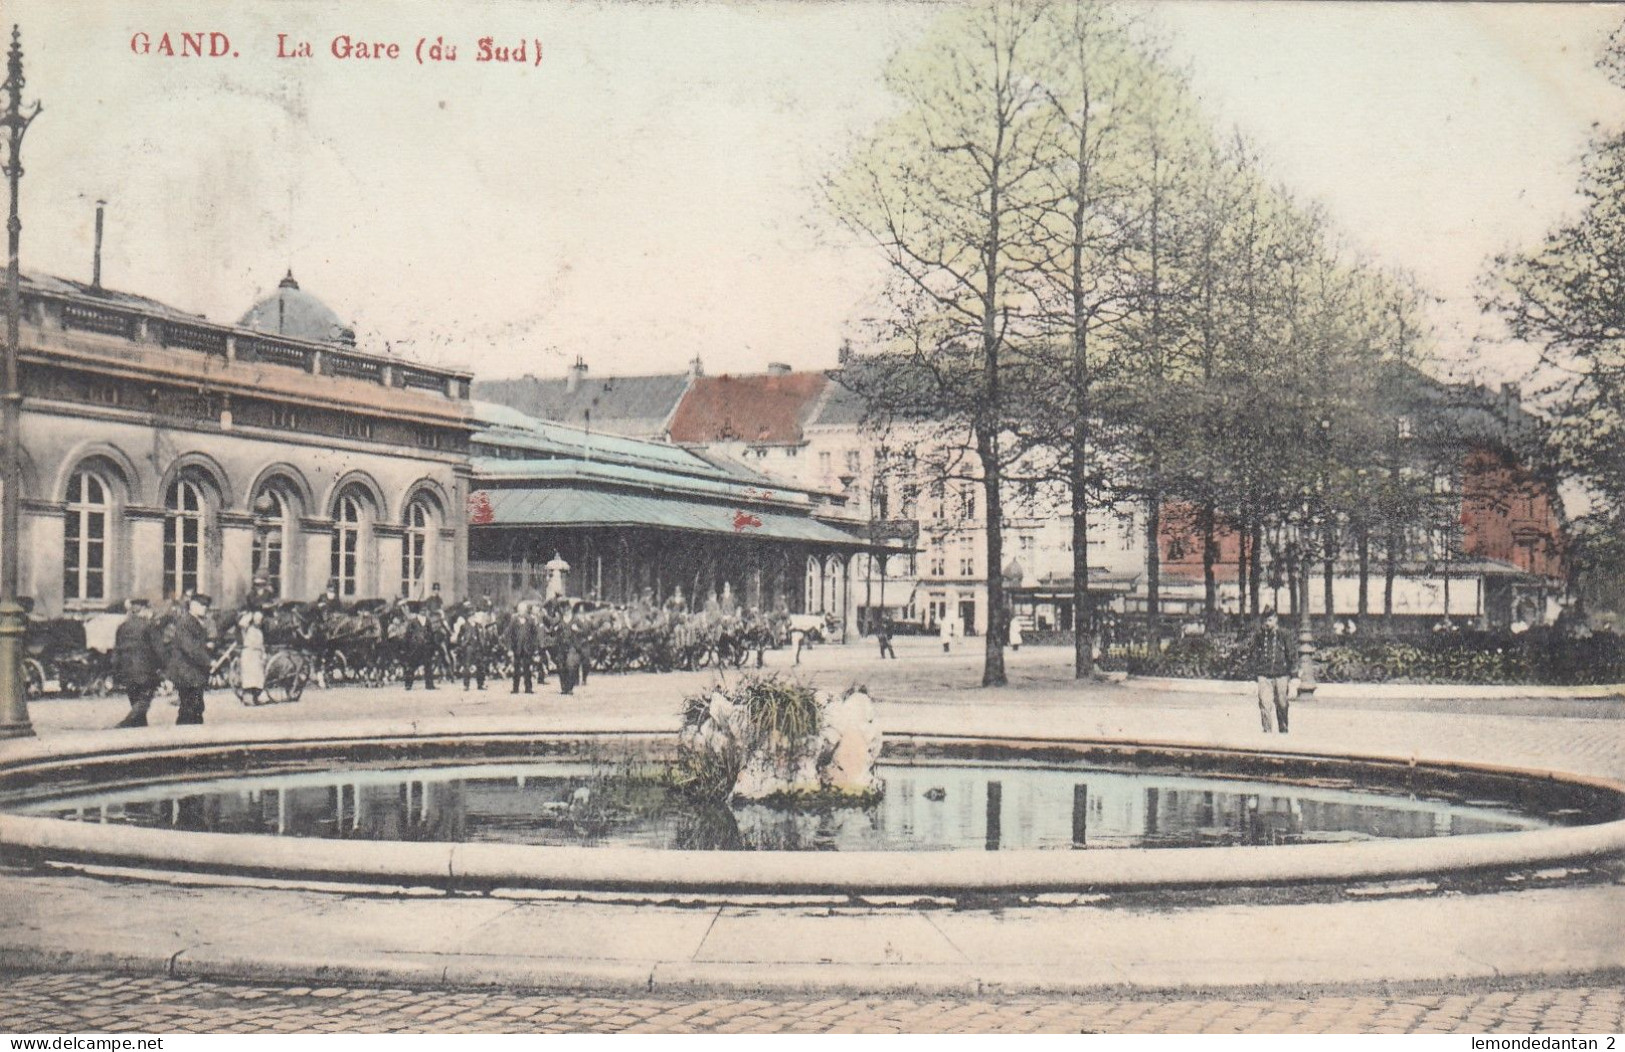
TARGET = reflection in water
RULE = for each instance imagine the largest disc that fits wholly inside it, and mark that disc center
(931, 806)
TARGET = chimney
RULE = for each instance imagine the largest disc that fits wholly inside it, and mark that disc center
(696, 368)
(96, 261)
(778, 369)
(577, 373)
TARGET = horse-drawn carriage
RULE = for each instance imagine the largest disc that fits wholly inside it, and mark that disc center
(287, 672)
(58, 658)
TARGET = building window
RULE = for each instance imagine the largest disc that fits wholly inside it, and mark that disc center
(967, 501)
(356, 427)
(1028, 543)
(346, 552)
(185, 539)
(1403, 427)
(1127, 532)
(428, 438)
(967, 557)
(106, 394)
(270, 526)
(938, 559)
(853, 461)
(825, 463)
(415, 548)
(285, 417)
(85, 538)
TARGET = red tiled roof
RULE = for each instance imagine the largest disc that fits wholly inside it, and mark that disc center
(762, 408)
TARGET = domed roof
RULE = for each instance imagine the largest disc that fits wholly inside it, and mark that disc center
(291, 311)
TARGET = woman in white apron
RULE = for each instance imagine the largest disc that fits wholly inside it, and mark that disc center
(252, 659)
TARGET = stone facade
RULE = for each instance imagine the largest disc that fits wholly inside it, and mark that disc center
(164, 453)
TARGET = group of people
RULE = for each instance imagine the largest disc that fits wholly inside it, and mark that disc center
(422, 640)
(146, 651)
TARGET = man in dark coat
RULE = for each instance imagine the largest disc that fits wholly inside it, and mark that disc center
(418, 647)
(189, 659)
(570, 654)
(1270, 652)
(138, 661)
(523, 641)
(329, 602)
(261, 596)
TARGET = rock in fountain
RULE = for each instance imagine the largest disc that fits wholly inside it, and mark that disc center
(833, 756)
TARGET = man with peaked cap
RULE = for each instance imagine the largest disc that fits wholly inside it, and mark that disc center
(189, 660)
(328, 601)
(260, 596)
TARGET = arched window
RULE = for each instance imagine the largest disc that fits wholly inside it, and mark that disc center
(185, 539)
(347, 540)
(84, 538)
(415, 548)
(270, 538)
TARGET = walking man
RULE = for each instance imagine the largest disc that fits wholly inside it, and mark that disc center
(189, 662)
(137, 661)
(1270, 653)
(883, 634)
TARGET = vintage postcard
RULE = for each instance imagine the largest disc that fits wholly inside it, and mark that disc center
(988, 516)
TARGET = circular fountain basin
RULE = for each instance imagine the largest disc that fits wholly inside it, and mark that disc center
(521, 808)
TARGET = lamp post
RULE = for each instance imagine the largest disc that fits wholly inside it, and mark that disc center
(14, 722)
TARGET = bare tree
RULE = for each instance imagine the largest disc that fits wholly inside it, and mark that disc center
(939, 190)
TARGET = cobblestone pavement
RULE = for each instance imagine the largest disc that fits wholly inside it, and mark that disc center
(92, 1003)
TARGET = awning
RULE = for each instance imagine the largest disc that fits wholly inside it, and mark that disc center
(573, 507)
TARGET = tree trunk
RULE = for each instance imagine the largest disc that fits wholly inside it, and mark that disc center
(1362, 545)
(1153, 572)
(1292, 572)
(1390, 571)
(1329, 573)
(993, 663)
(1083, 635)
(1210, 556)
(1241, 567)
(1256, 562)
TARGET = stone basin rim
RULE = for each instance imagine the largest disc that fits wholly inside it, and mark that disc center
(483, 866)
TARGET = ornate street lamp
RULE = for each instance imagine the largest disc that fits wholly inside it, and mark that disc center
(14, 722)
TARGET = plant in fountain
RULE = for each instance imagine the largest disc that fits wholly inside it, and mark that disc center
(770, 739)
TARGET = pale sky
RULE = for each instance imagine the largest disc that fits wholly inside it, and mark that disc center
(646, 193)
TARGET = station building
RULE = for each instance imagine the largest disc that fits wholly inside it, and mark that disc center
(632, 517)
(165, 453)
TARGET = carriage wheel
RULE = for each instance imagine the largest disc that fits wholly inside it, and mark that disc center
(337, 668)
(33, 678)
(233, 673)
(300, 680)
